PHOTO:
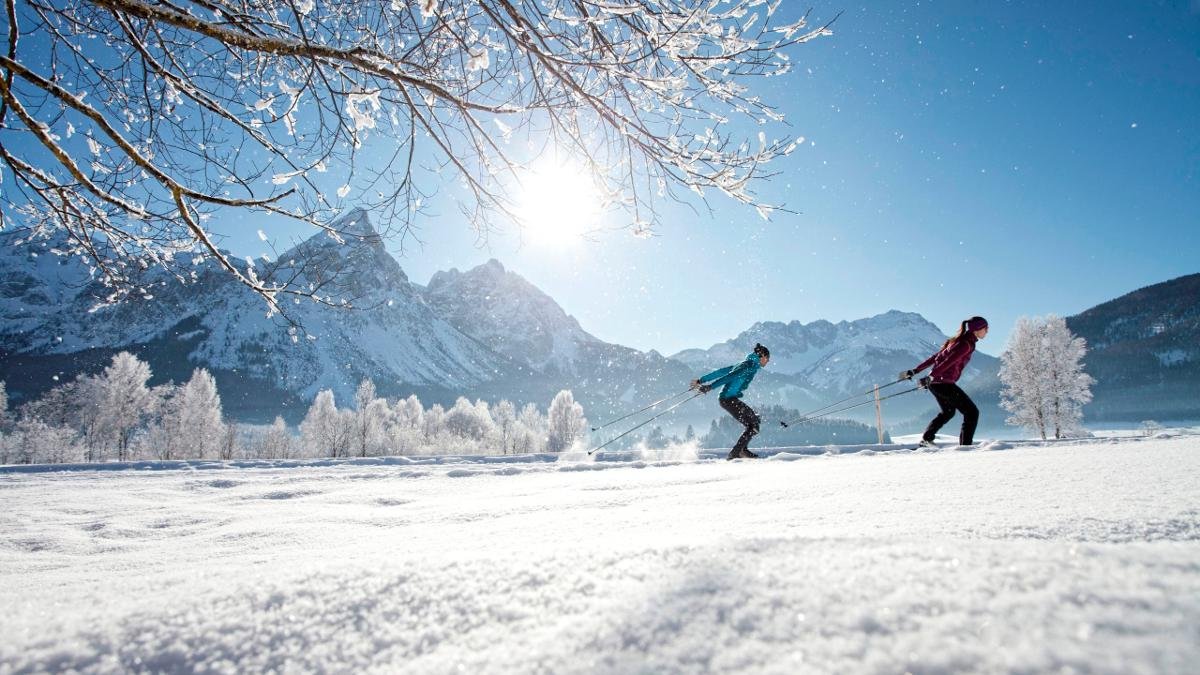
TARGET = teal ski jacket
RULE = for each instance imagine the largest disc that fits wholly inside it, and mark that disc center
(735, 378)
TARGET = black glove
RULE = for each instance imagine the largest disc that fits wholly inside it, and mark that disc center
(705, 388)
(924, 382)
(907, 375)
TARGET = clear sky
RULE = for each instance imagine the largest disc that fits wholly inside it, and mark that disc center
(994, 158)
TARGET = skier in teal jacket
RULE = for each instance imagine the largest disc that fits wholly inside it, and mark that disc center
(735, 379)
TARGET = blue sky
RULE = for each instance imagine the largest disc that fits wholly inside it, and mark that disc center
(1002, 159)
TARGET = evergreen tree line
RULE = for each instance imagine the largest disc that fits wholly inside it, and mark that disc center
(116, 415)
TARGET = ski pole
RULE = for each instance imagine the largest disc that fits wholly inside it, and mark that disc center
(809, 414)
(611, 440)
(851, 407)
(659, 401)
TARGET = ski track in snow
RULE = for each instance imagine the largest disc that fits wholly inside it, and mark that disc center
(1080, 555)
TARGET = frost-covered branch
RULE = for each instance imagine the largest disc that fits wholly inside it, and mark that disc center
(129, 123)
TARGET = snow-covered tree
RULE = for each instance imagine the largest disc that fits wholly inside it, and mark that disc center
(277, 442)
(5, 415)
(370, 418)
(565, 422)
(433, 422)
(1025, 393)
(505, 416)
(1150, 428)
(406, 427)
(125, 400)
(138, 119)
(35, 442)
(529, 435)
(689, 435)
(1045, 386)
(79, 401)
(325, 431)
(469, 420)
(191, 425)
(408, 412)
(1070, 386)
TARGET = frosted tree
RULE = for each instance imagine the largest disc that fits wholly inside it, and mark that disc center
(5, 415)
(129, 122)
(433, 423)
(35, 442)
(230, 443)
(505, 416)
(1025, 393)
(191, 423)
(409, 413)
(125, 400)
(1070, 387)
(469, 420)
(531, 430)
(370, 419)
(405, 429)
(276, 442)
(325, 431)
(565, 422)
(1045, 386)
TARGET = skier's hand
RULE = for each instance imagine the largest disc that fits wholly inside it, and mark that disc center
(695, 384)
(705, 388)
(924, 382)
(907, 375)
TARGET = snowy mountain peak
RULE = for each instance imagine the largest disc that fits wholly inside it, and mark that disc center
(504, 311)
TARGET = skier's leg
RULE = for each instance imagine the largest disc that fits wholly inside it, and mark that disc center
(729, 405)
(946, 403)
(970, 413)
(753, 423)
(743, 414)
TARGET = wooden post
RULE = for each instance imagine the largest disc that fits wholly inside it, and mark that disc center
(878, 415)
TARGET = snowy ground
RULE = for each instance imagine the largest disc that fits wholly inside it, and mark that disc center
(1077, 556)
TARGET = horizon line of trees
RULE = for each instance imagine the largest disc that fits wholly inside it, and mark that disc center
(115, 414)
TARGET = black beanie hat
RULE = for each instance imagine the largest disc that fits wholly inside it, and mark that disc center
(761, 350)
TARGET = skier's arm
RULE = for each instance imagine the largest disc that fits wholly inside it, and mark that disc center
(716, 374)
(948, 354)
(725, 374)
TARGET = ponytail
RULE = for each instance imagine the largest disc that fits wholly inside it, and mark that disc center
(962, 330)
(968, 326)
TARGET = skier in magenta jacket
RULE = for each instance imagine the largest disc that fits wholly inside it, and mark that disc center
(948, 365)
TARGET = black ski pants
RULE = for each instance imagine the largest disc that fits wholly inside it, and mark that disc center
(748, 418)
(950, 398)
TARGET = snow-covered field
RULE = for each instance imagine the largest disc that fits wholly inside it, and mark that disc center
(1080, 556)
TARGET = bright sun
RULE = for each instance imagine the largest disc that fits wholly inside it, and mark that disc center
(558, 204)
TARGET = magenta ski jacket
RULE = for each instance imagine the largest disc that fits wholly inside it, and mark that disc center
(949, 363)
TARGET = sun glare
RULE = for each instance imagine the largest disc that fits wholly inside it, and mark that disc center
(558, 205)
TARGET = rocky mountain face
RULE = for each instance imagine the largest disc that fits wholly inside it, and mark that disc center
(55, 326)
(1144, 351)
(514, 318)
(484, 333)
